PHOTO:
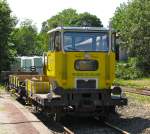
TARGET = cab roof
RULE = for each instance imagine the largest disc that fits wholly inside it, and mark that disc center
(82, 29)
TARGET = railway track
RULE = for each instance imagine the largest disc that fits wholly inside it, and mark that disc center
(67, 131)
(116, 128)
(145, 92)
(96, 127)
(109, 125)
(81, 126)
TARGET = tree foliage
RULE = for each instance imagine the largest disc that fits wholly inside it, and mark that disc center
(70, 17)
(133, 23)
(26, 39)
(87, 19)
(7, 23)
(65, 18)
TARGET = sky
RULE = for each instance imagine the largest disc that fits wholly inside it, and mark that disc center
(41, 10)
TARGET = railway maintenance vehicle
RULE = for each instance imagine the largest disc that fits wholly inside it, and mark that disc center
(78, 72)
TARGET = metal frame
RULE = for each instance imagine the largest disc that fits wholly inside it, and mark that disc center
(88, 29)
(76, 101)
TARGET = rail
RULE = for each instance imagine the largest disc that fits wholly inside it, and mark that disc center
(145, 92)
(116, 128)
(67, 131)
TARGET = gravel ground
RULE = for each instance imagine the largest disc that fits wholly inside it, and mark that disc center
(134, 118)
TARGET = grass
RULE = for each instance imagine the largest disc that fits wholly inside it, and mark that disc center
(1, 88)
(139, 98)
(139, 83)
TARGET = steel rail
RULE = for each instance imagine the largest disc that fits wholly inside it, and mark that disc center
(67, 131)
(142, 92)
(116, 128)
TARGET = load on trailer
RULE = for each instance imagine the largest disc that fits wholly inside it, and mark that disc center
(78, 72)
(23, 65)
(26, 64)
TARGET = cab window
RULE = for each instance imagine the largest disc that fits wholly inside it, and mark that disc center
(51, 42)
(86, 41)
(57, 41)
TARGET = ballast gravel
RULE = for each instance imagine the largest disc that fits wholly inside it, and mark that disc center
(134, 118)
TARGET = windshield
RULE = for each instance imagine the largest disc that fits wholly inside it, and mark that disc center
(74, 41)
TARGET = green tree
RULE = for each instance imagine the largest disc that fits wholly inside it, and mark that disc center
(132, 22)
(67, 17)
(42, 45)
(86, 19)
(26, 39)
(7, 23)
(43, 36)
(70, 17)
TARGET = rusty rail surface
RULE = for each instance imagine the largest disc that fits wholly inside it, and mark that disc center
(67, 131)
(145, 92)
(116, 128)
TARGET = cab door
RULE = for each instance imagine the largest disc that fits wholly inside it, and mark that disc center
(54, 48)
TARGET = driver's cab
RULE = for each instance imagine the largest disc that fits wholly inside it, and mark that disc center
(92, 46)
(80, 39)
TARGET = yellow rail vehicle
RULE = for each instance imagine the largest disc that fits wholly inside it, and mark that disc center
(81, 65)
(79, 69)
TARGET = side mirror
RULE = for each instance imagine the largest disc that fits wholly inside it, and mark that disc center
(116, 46)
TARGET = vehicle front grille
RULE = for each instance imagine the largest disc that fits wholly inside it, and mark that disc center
(81, 83)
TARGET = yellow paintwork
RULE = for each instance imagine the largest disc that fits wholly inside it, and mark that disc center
(59, 66)
(34, 83)
(11, 79)
(37, 87)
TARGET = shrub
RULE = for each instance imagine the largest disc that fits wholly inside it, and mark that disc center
(128, 70)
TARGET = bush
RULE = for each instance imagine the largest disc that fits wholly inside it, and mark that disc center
(128, 70)
(144, 66)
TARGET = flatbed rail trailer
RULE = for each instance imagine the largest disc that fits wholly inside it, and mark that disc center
(4, 76)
